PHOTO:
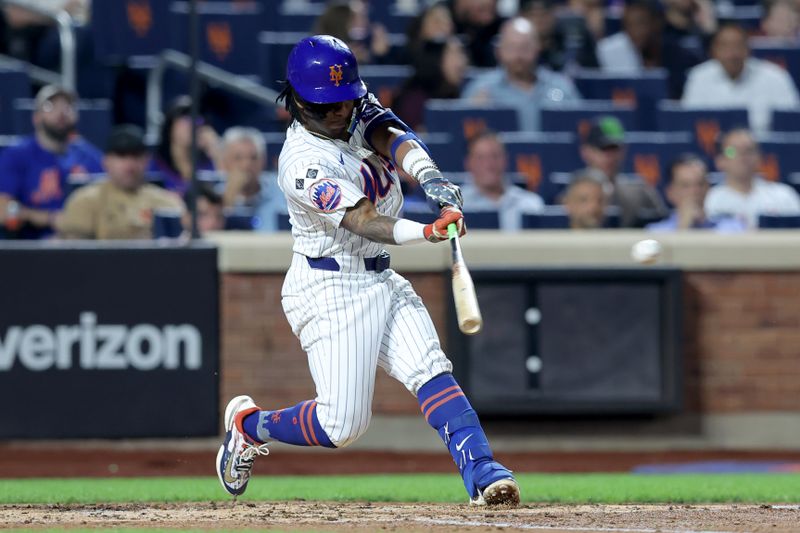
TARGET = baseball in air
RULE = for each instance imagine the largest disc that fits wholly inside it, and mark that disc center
(646, 252)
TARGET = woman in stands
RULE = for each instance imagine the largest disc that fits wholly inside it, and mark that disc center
(172, 161)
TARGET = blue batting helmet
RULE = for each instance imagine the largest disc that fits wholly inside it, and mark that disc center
(323, 70)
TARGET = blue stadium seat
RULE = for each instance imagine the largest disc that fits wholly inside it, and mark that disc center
(747, 16)
(273, 51)
(536, 155)
(642, 91)
(238, 218)
(786, 120)
(482, 219)
(274, 144)
(392, 18)
(423, 216)
(16, 84)
(780, 155)
(649, 154)
(778, 221)
(787, 56)
(385, 80)
(555, 217)
(441, 148)
(704, 124)
(577, 117)
(94, 120)
(228, 33)
(126, 29)
(462, 119)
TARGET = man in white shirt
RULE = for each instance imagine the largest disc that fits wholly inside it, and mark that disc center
(489, 189)
(744, 194)
(734, 79)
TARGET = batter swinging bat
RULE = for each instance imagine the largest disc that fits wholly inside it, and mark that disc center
(467, 310)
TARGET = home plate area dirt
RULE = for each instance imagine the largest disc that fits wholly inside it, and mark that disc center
(334, 516)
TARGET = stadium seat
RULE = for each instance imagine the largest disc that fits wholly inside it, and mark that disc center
(555, 217)
(787, 56)
(576, 118)
(273, 51)
(228, 33)
(419, 214)
(274, 144)
(778, 221)
(780, 155)
(536, 155)
(129, 29)
(16, 84)
(238, 218)
(441, 148)
(786, 120)
(462, 119)
(385, 80)
(283, 222)
(94, 119)
(482, 219)
(649, 154)
(747, 16)
(642, 91)
(704, 124)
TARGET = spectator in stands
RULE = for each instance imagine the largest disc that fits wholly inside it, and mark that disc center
(210, 212)
(566, 42)
(434, 23)
(781, 21)
(517, 82)
(603, 151)
(641, 45)
(439, 72)
(489, 188)
(242, 160)
(734, 79)
(121, 206)
(35, 174)
(743, 193)
(349, 21)
(478, 22)
(687, 190)
(689, 23)
(585, 203)
(173, 158)
(591, 12)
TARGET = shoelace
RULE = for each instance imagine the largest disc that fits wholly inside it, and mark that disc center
(248, 456)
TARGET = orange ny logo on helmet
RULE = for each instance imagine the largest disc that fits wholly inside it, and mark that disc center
(336, 74)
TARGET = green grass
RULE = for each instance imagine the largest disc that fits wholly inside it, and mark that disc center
(551, 488)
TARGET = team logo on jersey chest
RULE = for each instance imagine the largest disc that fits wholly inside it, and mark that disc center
(336, 74)
(326, 195)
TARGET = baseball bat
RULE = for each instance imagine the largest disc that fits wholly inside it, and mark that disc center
(467, 310)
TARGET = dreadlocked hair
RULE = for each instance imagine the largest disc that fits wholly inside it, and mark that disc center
(289, 97)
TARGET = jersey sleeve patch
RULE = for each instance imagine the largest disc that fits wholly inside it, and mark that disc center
(325, 194)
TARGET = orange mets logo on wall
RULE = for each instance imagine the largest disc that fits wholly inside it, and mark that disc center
(140, 17)
(219, 39)
(336, 74)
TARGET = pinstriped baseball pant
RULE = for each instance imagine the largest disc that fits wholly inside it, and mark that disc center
(351, 323)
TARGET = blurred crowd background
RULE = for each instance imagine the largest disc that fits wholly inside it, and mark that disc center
(578, 114)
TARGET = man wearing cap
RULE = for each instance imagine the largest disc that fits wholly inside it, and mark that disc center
(34, 174)
(122, 206)
(603, 151)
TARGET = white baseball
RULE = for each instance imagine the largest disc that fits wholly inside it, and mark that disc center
(646, 251)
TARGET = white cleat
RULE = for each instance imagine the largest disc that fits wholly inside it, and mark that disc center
(501, 492)
(237, 454)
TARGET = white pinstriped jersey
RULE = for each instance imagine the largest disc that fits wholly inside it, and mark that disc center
(322, 177)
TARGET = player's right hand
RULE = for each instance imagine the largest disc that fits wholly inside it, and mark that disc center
(437, 230)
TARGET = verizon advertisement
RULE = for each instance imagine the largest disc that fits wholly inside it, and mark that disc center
(108, 342)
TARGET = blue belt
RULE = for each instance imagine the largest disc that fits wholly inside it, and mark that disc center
(378, 263)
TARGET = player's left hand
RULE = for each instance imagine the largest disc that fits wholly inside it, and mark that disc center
(441, 193)
(437, 230)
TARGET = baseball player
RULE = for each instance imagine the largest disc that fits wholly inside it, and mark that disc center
(351, 312)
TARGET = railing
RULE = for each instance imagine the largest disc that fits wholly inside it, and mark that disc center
(217, 77)
(66, 36)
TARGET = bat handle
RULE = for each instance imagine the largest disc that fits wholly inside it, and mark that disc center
(452, 230)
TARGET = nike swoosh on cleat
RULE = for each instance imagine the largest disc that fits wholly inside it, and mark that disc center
(461, 445)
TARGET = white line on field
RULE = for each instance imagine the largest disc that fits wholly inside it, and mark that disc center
(476, 523)
(791, 507)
